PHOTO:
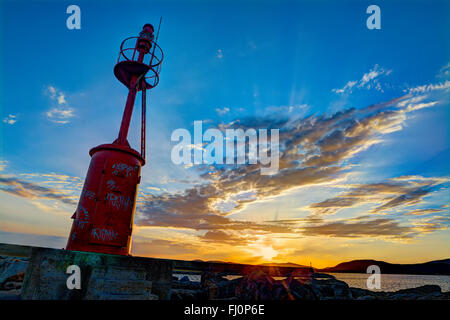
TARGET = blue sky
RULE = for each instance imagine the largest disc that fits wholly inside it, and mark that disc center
(228, 61)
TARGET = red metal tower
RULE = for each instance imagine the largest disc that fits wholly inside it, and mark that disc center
(103, 221)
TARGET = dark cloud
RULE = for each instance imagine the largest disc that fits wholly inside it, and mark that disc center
(234, 238)
(433, 224)
(361, 228)
(393, 193)
(366, 226)
(422, 212)
(414, 196)
(191, 211)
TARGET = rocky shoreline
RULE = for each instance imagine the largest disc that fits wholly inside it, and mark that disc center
(12, 274)
(314, 286)
(254, 286)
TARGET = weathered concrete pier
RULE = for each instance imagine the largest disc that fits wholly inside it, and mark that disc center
(107, 276)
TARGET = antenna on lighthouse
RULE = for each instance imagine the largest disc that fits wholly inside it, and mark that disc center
(144, 98)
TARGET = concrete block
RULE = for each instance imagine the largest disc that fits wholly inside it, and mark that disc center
(103, 276)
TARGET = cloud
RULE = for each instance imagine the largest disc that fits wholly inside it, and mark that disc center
(371, 75)
(61, 99)
(62, 113)
(222, 111)
(403, 191)
(219, 54)
(153, 188)
(361, 227)
(369, 80)
(348, 87)
(3, 164)
(422, 212)
(430, 87)
(433, 224)
(192, 210)
(233, 238)
(28, 239)
(162, 248)
(10, 119)
(34, 191)
(367, 226)
(314, 150)
(444, 71)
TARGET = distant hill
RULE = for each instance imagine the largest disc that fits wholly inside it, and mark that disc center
(285, 264)
(438, 267)
(447, 261)
(267, 264)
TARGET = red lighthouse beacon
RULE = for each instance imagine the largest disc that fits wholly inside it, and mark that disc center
(103, 221)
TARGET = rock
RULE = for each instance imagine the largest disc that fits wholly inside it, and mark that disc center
(367, 294)
(189, 285)
(432, 291)
(12, 269)
(12, 285)
(185, 294)
(10, 294)
(258, 285)
(211, 276)
(369, 297)
(331, 289)
(427, 289)
(280, 290)
(303, 275)
(255, 286)
(322, 276)
(433, 296)
(300, 291)
(215, 286)
(403, 296)
(427, 292)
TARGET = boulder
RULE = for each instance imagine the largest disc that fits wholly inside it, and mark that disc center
(214, 286)
(260, 286)
(255, 286)
(427, 292)
(424, 292)
(365, 294)
(426, 289)
(189, 285)
(322, 276)
(368, 297)
(299, 290)
(12, 269)
(331, 289)
(185, 295)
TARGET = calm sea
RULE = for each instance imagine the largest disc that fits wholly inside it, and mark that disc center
(394, 282)
(389, 282)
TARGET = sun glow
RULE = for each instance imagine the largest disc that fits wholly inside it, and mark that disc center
(267, 252)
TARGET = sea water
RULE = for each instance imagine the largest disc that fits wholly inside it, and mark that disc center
(395, 282)
(389, 282)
